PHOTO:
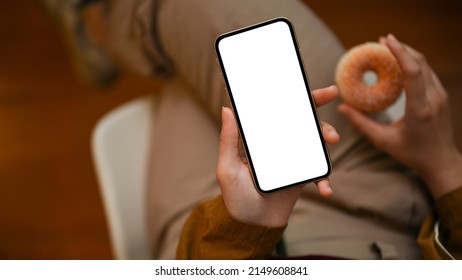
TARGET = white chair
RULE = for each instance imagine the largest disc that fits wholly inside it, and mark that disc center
(120, 146)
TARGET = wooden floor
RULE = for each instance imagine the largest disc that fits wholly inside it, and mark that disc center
(50, 207)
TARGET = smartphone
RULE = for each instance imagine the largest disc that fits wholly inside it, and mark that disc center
(273, 105)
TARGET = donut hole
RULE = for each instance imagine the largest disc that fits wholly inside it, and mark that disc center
(370, 78)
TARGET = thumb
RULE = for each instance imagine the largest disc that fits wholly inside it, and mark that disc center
(374, 131)
(229, 138)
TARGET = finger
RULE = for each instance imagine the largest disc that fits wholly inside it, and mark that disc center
(325, 95)
(382, 40)
(432, 83)
(412, 71)
(437, 83)
(330, 133)
(324, 187)
(229, 138)
(422, 61)
(411, 67)
(374, 131)
(418, 57)
(406, 60)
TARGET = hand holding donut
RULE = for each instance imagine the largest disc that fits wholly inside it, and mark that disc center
(423, 139)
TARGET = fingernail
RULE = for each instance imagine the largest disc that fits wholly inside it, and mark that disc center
(333, 132)
(392, 38)
(329, 190)
(223, 115)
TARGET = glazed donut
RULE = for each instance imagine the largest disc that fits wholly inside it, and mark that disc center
(365, 96)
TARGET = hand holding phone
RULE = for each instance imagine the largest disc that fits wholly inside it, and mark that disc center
(241, 198)
(273, 106)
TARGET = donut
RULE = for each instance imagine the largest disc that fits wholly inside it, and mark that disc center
(366, 59)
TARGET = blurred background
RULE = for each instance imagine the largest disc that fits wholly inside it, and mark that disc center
(50, 205)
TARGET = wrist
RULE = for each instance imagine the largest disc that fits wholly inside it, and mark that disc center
(446, 177)
(255, 217)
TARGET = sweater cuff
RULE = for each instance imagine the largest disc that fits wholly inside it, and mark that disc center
(261, 239)
(449, 208)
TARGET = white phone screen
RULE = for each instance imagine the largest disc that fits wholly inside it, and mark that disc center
(273, 106)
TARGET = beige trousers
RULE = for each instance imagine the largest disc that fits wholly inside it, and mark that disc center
(377, 206)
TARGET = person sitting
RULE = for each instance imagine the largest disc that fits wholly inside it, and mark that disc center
(242, 223)
(379, 204)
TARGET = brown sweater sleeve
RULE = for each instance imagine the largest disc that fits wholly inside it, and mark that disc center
(449, 212)
(211, 233)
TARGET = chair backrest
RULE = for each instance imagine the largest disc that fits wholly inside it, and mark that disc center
(120, 146)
